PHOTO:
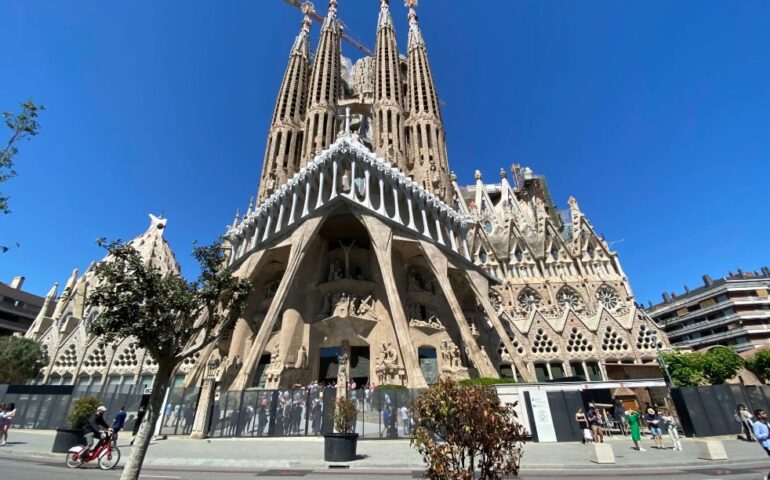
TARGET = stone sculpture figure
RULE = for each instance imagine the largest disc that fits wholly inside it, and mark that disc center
(415, 281)
(301, 358)
(388, 357)
(346, 250)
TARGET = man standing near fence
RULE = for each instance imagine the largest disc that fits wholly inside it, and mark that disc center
(118, 423)
(761, 432)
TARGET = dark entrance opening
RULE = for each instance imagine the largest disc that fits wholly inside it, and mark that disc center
(359, 364)
(260, 377)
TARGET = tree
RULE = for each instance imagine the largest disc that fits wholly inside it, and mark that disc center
(20, 359)
(759, 363)
(714, 366)
(466, 433)
(169, 317)
(686, 368)
(721, 364)
(22, 125)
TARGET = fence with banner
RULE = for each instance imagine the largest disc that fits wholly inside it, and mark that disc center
(46, 406)
(308, 411)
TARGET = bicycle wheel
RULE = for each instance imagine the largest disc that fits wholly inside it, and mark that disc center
(109, 458)
(71, 461)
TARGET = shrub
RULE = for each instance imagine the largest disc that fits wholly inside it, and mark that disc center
(759, 363)
(388, 388)
(344, 413)
(485, 381)
(83, 408)
(466, 433)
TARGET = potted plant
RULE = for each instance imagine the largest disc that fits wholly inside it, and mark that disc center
(67, 437)
(341, 445)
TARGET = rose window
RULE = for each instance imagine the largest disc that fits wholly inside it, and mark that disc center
(69, 358)
(608, 298)
(568, 298)
(529, 300)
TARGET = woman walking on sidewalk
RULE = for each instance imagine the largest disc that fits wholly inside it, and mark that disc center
(673, 433)
(634, 425)
(8, 414)
(580, 417)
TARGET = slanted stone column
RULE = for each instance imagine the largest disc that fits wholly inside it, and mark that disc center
(439, 266)
(382, 242)
(201, 422)
(474, 280)
(300, 241)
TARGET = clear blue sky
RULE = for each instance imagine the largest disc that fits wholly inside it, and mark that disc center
(655, 115)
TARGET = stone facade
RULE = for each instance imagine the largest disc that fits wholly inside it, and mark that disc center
(364, 250)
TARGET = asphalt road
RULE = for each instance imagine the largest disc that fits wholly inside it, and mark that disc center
(31, 469)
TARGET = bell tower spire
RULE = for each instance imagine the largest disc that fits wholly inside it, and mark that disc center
(284, 141)
(325, 89)
(426, 140)
(388, 99)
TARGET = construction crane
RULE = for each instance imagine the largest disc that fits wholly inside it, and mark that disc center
(318, 18)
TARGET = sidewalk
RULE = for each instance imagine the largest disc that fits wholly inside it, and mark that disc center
(307, 453)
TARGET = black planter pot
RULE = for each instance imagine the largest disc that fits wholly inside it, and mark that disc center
(340, 447)
(67, 438)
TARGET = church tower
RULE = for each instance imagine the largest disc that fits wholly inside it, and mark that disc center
(388, 97)
(325, 89)
(284, 142)
(426, 141)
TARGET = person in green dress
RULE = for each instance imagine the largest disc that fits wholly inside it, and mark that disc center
(634, 420)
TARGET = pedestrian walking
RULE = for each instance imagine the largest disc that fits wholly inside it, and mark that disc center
(654, 423)
(8, 415)
(634, 424)
(595, 420)
(405, 419)
(744, 417)
(582, 421)
(761, 432)
(117, 424)
(673, 432)
(619, 413)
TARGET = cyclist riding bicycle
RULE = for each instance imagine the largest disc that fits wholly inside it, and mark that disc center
(96, 425)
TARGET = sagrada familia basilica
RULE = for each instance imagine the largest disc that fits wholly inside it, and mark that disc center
(363, 242)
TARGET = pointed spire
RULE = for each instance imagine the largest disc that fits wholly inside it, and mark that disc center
(45, 311)
(385, 19)
(415, 35)
(324, 90)
(389, 141)
(66, 295)
(426, 141)
(284, 141)
(237, 217)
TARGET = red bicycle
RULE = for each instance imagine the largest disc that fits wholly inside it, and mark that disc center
(108, 455)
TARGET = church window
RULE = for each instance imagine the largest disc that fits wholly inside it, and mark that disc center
(517, 254)
(569, 298)
(612, 341)
(488, 226)
(607, 297)
(554, 253)
(482, 256)
(647, 339)
(543, 343)
(528, 299)
(577, 342)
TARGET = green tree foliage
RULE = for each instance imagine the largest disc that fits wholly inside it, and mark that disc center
(721, 364)
(759, 363)
(20, 359)
(466, 433)
(714, 366)
(81, 410)
(169, 317)
(486, 381)
(22, 125)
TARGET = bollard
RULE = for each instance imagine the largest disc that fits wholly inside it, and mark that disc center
(603, 453)
(711, 450)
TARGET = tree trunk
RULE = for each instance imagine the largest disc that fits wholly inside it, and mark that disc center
(142, 441)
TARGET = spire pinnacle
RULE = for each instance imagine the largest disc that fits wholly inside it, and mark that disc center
(415, 35)
(302, 42)
(385, 19)
(331, 16)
